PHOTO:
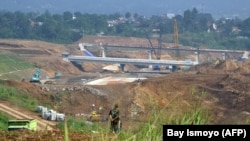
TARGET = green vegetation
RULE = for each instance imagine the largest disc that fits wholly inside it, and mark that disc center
(9, 65)
(152, 129)
(12, 63)
(3, 122)
(78, 125)
(195, 29)
(214, 41)
(66, 131)
(17, 97)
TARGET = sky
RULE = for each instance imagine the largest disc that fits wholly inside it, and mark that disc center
(218, 8)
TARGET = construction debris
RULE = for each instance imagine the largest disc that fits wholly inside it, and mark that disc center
(50, 114)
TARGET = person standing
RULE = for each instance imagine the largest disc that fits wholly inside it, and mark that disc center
(114, 117)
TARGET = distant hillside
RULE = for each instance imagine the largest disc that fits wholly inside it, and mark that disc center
(19, 58)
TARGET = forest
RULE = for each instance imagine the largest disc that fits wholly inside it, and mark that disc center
(194, 28)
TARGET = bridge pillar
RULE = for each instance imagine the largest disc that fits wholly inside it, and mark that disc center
(103, 51)
(197, 57)
(150, 54)
(150, 57)
(122, 66)
(224, 55)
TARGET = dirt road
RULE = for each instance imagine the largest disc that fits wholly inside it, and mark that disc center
(18, 113)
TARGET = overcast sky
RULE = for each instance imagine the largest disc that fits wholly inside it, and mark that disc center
(218, 8)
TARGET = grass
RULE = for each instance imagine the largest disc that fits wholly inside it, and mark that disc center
(78, 125)
(10, 64)
(152, 129)
(66, 131)
(4, 122)
(17, 97)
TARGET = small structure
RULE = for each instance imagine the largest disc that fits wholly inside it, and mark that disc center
(65, 54)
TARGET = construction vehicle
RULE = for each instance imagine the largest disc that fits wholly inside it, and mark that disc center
(95, 116)
(51, 80)
(176, 34)
(156, 54)
(217, 62)
(176, 45)
(57, 75)
(22, 124)
(36, 76)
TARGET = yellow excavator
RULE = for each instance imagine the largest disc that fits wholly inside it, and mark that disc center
(95, 116)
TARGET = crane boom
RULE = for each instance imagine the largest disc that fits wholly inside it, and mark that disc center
(159, 46)
(176, 38)
(151, 44)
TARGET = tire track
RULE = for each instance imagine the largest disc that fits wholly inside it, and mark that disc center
(41, 124)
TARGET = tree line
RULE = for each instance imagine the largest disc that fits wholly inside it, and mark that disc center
(195, 29)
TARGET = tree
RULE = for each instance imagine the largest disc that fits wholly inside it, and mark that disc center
(127, 15)
(22, 26)
(67, 16)
(245, 29)
(114, 16)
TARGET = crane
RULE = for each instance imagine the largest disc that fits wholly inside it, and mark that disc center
(151, 45)
(176, 44)
(158, 53)
(159, 46)
(176, 39)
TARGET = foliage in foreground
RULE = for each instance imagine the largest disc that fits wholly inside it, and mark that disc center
(3, 121)
(17, 97)
(151, 130)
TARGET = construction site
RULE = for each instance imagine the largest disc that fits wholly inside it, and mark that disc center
(72, 89)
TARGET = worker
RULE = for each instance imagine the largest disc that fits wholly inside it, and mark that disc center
(93, 110)
(114, 117)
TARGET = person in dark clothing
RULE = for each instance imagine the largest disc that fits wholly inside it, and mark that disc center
(114, 117)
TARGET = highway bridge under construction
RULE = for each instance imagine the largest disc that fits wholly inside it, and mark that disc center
(149, 62)
(128, 61)
(123, 61)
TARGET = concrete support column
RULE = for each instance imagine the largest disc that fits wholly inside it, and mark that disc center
(150, 54)
(224, 55)
(122, 66)
(150, 57)
(103, 51)
(197, 57)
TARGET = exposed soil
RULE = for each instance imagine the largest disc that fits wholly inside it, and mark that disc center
(222, 89)
(19, 113)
